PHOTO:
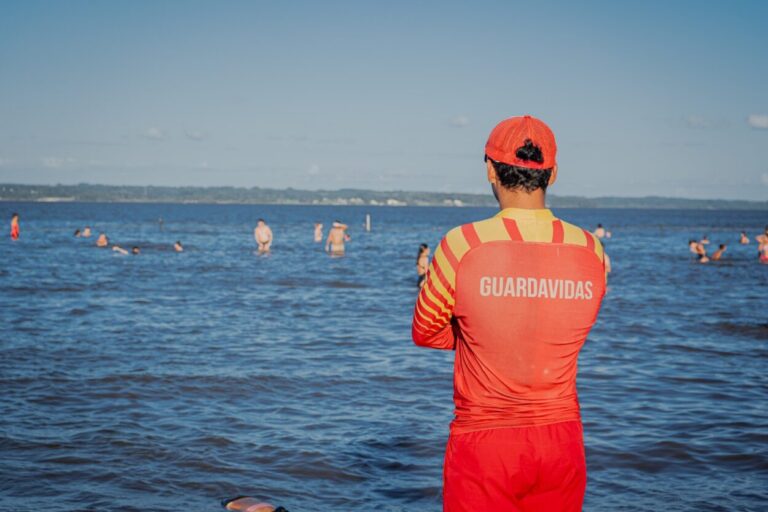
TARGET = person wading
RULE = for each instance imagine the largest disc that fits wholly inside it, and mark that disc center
(515, 296)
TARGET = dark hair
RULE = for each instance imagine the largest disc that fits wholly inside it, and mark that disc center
(722, 246)
(515, 177)
(422, 248)
(14, 214)
(77, 232)
(260, 220)
(599, 225)
(178, 242)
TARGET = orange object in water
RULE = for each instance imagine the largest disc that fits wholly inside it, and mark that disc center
(14, 229)
(248, 504)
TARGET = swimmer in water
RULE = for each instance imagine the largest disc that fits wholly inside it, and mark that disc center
(263, 236)
(135, 250)
(318, 232)
(15, 226)
(102, 241)
(336, 238)
(704, 240)
(77, 233)
(248, 504)
(86, 232)
(693, 246)
(178, 247)
(119, 249)
(743, 238)
(599, 231)
(718, 253)
(422, 263)
(698, 249)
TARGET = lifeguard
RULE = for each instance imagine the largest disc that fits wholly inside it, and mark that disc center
(515, 296)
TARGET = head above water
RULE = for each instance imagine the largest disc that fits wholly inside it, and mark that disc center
(135, 250)
(14, 216)
(520, 158)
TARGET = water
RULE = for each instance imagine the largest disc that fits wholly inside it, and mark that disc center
(168, 381)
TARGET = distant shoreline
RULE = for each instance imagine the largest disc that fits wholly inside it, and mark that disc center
(87, 193)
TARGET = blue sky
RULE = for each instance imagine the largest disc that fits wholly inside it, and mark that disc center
(655, 98)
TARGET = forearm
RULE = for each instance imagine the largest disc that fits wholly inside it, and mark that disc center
(433, 312)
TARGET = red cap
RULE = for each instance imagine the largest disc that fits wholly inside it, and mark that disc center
(512, 133)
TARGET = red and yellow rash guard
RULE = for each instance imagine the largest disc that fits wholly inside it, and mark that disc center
(515, 295)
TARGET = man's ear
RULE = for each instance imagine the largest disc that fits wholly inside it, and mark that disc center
(553, 176)
(493, 178)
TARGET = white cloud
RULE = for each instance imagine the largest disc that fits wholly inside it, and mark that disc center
(195, 134)
(314, 170)
(154, 133)
(459, 121)
(758, 121)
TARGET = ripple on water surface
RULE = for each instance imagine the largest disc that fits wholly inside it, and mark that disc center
(167, 380)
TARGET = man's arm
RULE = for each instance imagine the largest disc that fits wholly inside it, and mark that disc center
(432, 315)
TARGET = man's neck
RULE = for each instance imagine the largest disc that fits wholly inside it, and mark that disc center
(523, 200)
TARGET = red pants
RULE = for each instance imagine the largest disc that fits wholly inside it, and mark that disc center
(526, 469)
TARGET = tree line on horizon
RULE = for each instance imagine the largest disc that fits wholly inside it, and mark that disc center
(85, 192)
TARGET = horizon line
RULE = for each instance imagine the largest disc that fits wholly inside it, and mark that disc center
(440, 193)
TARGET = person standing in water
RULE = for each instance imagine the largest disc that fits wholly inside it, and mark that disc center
(743, 238)
(422, 263)
(763, 238)
(718, 253)
(515, 296)
(762, 246)
(336, 238)
(699, 250)
(102, 240)
(318, 232)
(263, 235)
(86, 232)
(15, 230)
(178, 247)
